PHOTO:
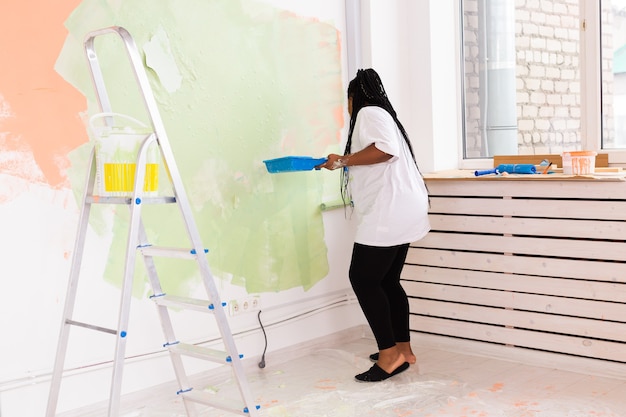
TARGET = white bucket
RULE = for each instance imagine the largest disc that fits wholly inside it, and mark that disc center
(117, 148)
(579, 162)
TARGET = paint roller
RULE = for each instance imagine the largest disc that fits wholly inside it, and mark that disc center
(509, 169)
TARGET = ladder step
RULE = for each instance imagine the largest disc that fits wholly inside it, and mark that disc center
(169, 252)
(215, 401)
(183, 302)
(96, 199)
(213, 355)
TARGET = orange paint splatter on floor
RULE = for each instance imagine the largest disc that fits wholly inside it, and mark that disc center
(326, 387)
(326, 384)
(498, 386)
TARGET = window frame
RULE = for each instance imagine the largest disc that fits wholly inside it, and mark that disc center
(590, 75)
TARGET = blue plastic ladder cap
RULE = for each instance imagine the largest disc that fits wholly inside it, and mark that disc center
(158, 295)
(246, 410)
(138, 200)
(123, 333)
(182, 391)
(230, 359)
(193, 251)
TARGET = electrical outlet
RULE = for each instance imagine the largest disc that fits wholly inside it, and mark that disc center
(233, 307)
(244, 305)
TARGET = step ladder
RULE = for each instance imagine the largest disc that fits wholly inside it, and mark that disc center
(138, 241)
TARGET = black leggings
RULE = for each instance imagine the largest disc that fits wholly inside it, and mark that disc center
(375, 278)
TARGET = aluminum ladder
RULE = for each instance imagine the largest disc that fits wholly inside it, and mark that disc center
(137, 241)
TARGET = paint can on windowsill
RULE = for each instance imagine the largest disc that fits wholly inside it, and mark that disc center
(579, 162)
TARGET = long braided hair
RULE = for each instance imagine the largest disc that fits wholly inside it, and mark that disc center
(366, 89)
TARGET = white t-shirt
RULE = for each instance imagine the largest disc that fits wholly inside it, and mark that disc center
(390, 198)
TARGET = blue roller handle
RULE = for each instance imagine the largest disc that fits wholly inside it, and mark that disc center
(509, 168)
(485, 172)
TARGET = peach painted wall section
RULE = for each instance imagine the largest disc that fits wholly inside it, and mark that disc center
(39, 110)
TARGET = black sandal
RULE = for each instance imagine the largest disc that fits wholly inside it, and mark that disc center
(376, 373)
(374, 357)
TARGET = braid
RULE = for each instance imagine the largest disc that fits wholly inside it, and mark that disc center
(366, 89)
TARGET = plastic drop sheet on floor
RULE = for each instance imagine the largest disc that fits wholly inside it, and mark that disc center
(322, 385)
(443, 384)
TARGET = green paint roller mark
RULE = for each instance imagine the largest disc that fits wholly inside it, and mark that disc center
(236, 83)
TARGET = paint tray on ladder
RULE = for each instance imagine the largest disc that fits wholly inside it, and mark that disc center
(292, 163)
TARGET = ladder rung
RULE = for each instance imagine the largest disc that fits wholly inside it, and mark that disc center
(183, 302)
(96, 199)
(213, 355)
(169, 252)
(90, 326)
(213, 400)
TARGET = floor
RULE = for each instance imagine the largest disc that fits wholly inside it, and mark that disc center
(441, 384)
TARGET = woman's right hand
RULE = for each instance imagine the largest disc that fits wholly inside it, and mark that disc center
(333, 162)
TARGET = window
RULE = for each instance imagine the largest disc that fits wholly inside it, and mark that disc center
(522, 77)
(526, 89)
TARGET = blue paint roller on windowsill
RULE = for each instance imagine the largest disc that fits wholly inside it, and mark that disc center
(509, 169)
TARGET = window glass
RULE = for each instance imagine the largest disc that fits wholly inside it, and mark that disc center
(522, 79)
(613, 40)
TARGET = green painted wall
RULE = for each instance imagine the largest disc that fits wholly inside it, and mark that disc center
(237, 82)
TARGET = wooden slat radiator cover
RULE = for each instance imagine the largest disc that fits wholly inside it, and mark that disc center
(533, 264)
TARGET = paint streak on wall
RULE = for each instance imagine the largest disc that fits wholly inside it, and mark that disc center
(236, 82)
(39, 120)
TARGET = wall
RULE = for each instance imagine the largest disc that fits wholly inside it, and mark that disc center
(417, 61)
(45, 97)
(42, 159)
